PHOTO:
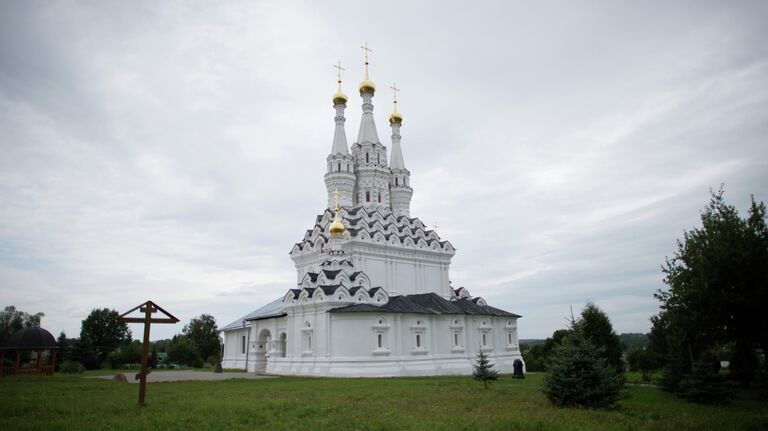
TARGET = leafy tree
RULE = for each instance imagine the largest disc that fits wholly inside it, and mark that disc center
(484, 371)
(578, 375)
(718, 290)
(183, 352)
(643, 360)
(127, 354)
(102, 333)
(204, 335)
(594, 326)
(536, 357)
(11, 320)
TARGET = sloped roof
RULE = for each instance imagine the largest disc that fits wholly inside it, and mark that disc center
(273, 309)
(424, 303)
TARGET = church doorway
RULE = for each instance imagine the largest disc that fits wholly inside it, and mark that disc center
(263, 344)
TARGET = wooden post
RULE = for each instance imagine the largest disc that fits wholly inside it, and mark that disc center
(18, 358)
(2, 363)
(147, 308)
(53, 362)
(144, 352)
(39, 362)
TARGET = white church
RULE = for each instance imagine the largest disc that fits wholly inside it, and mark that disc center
(372, 295)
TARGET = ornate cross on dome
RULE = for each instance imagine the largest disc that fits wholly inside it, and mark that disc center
(336, 196)
(338, 73)
(395, 90)
(435, 226)
(367, 50)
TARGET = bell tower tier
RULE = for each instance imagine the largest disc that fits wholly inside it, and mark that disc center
(340, 169)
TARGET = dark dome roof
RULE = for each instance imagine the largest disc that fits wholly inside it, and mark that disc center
(30, 338)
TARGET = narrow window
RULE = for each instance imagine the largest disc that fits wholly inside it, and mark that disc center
(242, 348)
(338, 167)
(309, 342)
(378, 159)
(418, 340)
(366, 157)
(347, 167)
(396, 184)
(380, 341)
(455, 339)
(367, 196)
(509, 337)
(483, 339)
(379, 197)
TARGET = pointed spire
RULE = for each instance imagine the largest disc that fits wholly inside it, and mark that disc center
(395, 121)
(367, 132)
(339, 102)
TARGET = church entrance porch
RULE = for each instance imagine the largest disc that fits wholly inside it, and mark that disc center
(263, 350)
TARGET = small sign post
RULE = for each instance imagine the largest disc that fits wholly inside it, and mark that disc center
(148, 308)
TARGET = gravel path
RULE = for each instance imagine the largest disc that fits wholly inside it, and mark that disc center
(186, 375)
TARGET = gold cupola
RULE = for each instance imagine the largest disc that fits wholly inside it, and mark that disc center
(339, 98)
(366, 86)
(396, 117)
(336, 228)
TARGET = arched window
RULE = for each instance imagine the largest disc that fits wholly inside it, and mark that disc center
(378, 159)
(509, 337)
(367, 196)
(418, 340)
(347, 167)
(309, 342)
(366, 157)
(484, 340)
(338, 167)
(455, 339)
(396, 181)
(379, 197)
(381, 341)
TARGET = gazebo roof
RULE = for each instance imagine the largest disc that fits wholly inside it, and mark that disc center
(30, 339)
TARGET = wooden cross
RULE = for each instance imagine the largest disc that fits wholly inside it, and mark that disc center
(367, 50)
(338, 73)
(148, 308)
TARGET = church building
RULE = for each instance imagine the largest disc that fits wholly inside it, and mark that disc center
(372, 296)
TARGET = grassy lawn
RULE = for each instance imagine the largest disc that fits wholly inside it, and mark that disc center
(436, 403)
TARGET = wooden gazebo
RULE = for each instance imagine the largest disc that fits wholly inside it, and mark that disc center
(35, 339)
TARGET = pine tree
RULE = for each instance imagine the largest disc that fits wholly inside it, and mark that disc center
(578, 375)
(484, 371)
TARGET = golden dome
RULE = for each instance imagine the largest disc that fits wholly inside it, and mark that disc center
(339, 98)
(367, 86)
(396, 117)
(337, 227)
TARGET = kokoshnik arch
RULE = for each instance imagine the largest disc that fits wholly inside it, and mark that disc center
(373, 296)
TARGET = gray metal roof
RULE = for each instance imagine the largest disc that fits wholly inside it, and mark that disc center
(425, 303)
(273, 309)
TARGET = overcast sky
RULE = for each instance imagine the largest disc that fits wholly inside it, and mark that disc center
(175, 151)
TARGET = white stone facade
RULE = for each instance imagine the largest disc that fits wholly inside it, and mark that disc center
(375, 299)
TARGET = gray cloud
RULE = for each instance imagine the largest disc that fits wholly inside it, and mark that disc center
(175, 151)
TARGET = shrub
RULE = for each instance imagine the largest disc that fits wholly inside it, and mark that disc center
(579, 376)
(71, 367)
(125, 355)
(91, 362)
(703, 385)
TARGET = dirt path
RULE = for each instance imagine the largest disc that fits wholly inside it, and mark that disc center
(186, 375)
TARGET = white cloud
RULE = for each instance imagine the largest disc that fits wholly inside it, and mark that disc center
(175, 151)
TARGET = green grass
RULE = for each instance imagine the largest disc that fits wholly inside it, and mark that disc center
(294, 403)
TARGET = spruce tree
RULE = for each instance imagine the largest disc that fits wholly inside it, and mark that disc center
(578, 375)
(484, 371)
